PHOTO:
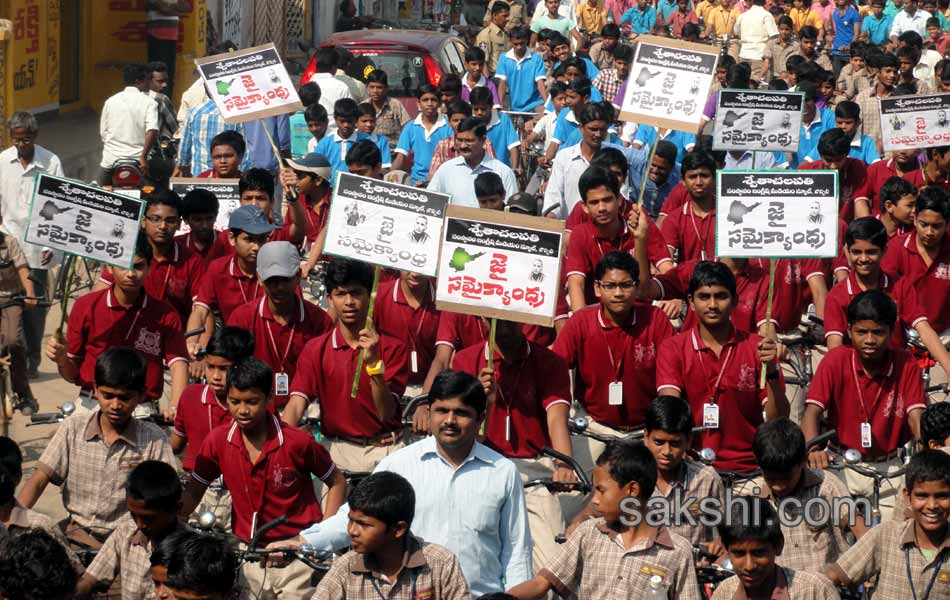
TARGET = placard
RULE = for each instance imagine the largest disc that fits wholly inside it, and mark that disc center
(225, 190)
(84, 220)
(669, 83)
(500, 265)
(777, 214)
(909, 122)
(758, 120)
(249, 84)
(386, 224)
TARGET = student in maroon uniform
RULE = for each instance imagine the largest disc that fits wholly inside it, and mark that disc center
(690, 231)
(269, 466)
(904, 164)
(174, 274)
(529, 390)
(871, 394)
(359, 431)
(898, 200)
(405, 309)
(716, 367)
(606, 232)
(123, 314)
(227, 154)
(199, 211)
(613, 345)
(833, 147)
(282, 322)
(231, 281)
(257, 187)
(612, 160)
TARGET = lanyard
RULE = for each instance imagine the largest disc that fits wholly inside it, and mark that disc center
(273, 342)
(910, 578)
(699, 236)
(257, 288)
(618, 365)
(857, 385)
(722, 369)
(412, 586)
(168, 272)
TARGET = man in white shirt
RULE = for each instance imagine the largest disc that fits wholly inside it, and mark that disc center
(129, 123)
(331, 88)
(755, 27)
(456, 176)
(909, 19)
(19, 166)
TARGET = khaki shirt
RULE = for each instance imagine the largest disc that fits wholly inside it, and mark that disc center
(792, 585)
(11, 261)
(494, 41)
(515, 13)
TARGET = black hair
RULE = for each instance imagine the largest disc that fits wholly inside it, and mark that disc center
(326, 60)
(474, 54)
(808, 32)
(934, 199)
(309, 93)
(888, 60)
(610, 30)
(581, 85)
(669, 413)
(596, 111)
(609, 156)
(725, 62)
(934, 423)
(366, 110)
(364, 152)
(480, 96)
(229, 137)
(458, 107)
(489, 183)
(834, 143)
(545, 35)
(345, 272)
(690, 29)
(521, 32)
(666, 150)
(911, 38)
(927, 465)
(942, 69)
(557, 88)
(163, 551)
(473, 124)
(778, 445)
(499, 6)
(251, 373)
(122, 368)
(199, 201)
(163, 197)
(316, 113)
(698, 160)
(155, 483)
(343, 57)
(779, 85)
(909, 52)
(378, 76)
(630, 461)
(751, 518)
(623, 52)
(496, 596)
(595, 177)
(11, 469)
(156, 66)
(847, 109)
(739, 77)
(427, 88)
(709, 273)
(621, 261)
(858, 49)
(202, 563)
(867, 229)
(35, 566)
(450, 83)
(257, 180)
(786, 20)
(143, 249)
(556, 39)
(346, 108)
(459, 384)
(134, 73)
(386, 496)
(231, 343)
(873, 305)
(896, 188)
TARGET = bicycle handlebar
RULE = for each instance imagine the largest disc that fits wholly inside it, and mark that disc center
(820, 439)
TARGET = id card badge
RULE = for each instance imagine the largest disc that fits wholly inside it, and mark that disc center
(865, 435)
(414, 361)
(711, 416)
(508, 427)
(281, 384)
(615, 393)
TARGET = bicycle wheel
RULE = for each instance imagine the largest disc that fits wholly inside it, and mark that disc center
(6, 414)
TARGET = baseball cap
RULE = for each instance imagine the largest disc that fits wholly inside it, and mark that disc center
(277, 259)
(251, 219)
(523, 203)
(312, 163)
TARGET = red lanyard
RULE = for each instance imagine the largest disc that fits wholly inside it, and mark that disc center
(257, 287)
(514, 388)
(722, 369)
(619, 242)
(700, 237)
(857, 385)
(168, 272)
(273, 342)
(617, 366)
(135, 320)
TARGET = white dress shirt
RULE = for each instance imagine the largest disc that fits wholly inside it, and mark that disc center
(566, 170)
(477, 511)
(126, 117)
(754, 28)
(331, 90)
(905, 22)
(16, 193)
(456, 178)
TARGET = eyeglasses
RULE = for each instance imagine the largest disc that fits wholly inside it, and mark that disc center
(156, 220)
(610, 286)
(21, 141)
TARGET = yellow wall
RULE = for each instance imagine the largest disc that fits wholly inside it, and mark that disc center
(32, 60)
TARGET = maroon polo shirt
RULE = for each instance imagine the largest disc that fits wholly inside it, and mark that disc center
(417, 327)
(216, 249)
(791, 293)
(225, 287)
(877, 174)
(97, 322)
(459, 331)
(932, 283)
(278, 484)
(199, 412)
(691, 237)
(851, 179)
(902, 292)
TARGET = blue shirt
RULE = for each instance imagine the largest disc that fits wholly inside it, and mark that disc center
(589, 66)
(334, 148)
(477, 511)
(863, 148)
(203, 124)
(566, 132)
(300, 135)
(641, 21)
(808, 140)
(844, 28)
(455, 178)
(877, 29)
(503, 136)
(666, 8)
(260, 153)
(653, 195)
(522, 77)
(382, 142)
(595, 96)
(647, 133)
(421, 144)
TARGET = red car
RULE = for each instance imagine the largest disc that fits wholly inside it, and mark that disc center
(409, 58)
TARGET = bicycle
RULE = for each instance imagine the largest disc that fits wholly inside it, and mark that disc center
(65, 411)
(926, 362)
(10, 401)
(799, 350)
(851, 459)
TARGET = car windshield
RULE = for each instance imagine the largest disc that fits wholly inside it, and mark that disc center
(404, 70)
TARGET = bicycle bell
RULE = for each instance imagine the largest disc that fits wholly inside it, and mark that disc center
(68, 408)
(206, 520)
(852, 456)
(912, 335)
(579, 424)
(707, 456)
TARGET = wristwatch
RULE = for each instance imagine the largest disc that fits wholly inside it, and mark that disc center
(772, 375)
(375, 369)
